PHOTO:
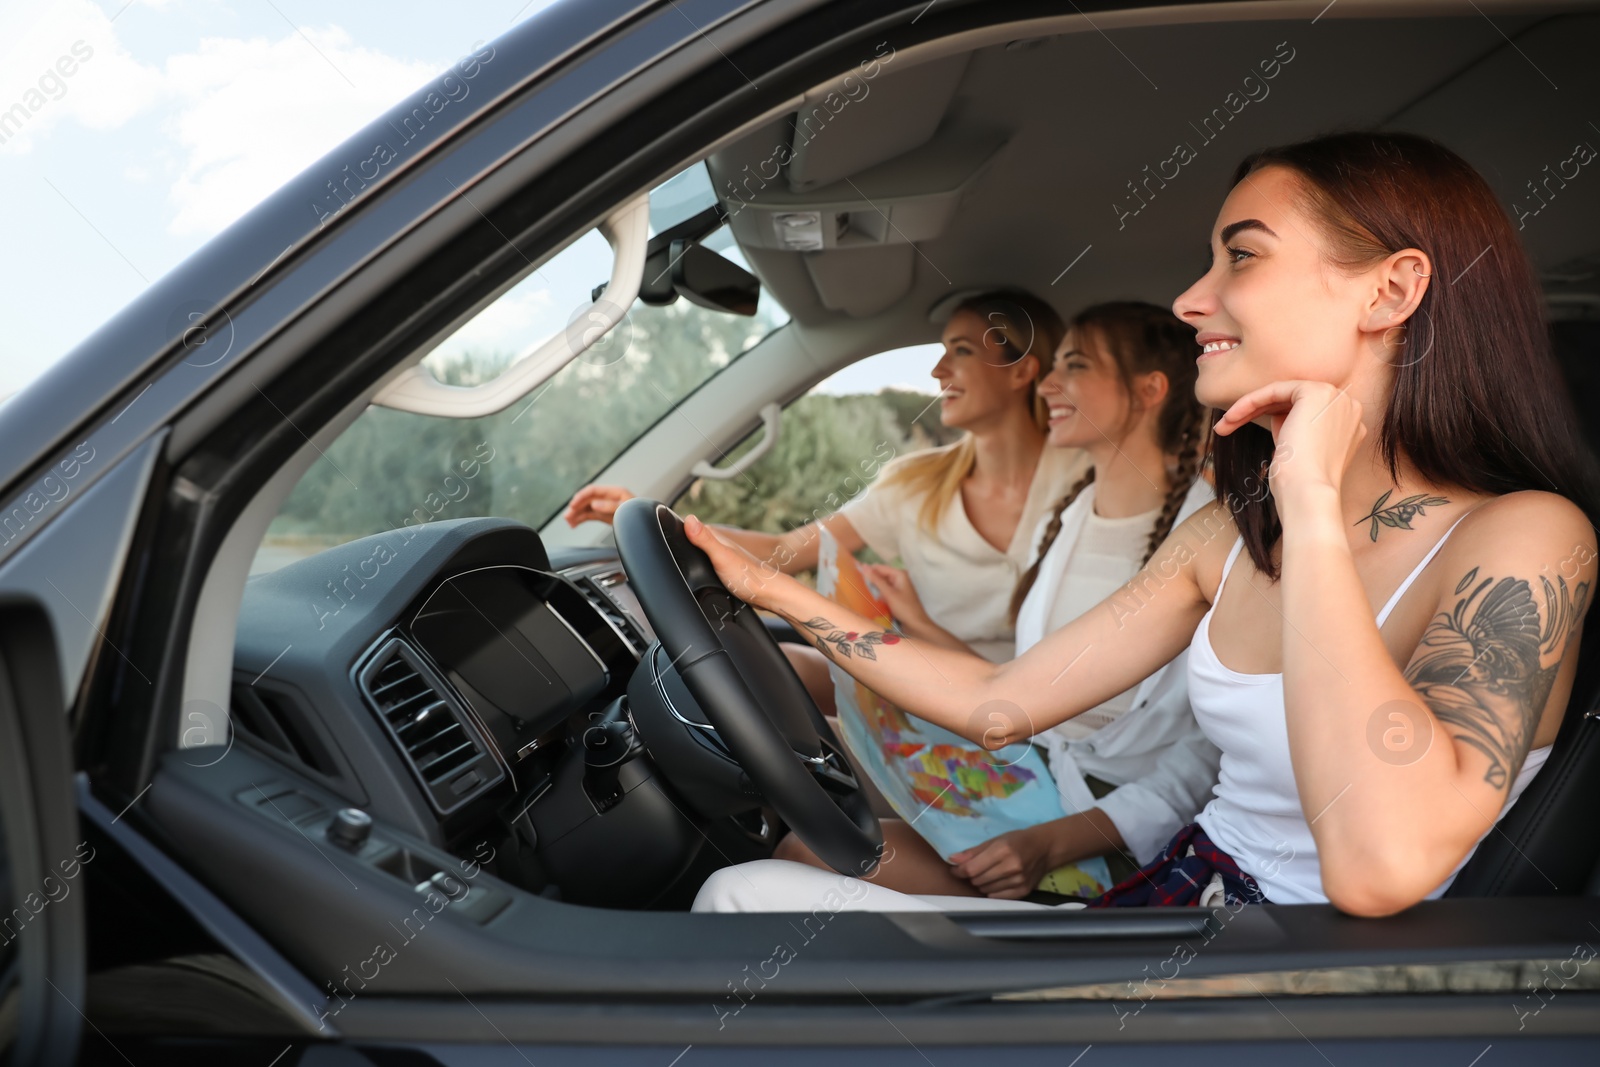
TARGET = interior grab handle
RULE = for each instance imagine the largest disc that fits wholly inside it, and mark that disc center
(772, 419)
(415, 389)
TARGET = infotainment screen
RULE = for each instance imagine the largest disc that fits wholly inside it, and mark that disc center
(493, 630)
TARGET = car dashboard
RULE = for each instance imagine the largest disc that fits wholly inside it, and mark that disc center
(454, 684)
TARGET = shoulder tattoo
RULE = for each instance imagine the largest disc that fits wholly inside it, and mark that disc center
(1479, 665)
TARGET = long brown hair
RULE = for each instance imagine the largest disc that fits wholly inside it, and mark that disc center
(1141, 338)
(1022, 325)
(1477, 400)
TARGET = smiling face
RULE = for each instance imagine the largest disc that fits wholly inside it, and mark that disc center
(1084, 391)
(1272, 307)
(982, 384)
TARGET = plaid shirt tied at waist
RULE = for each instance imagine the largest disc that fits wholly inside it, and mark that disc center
(1180, 877)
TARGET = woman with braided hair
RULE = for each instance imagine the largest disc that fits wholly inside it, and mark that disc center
(1136, 767)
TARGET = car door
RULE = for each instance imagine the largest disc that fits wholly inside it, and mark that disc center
(41, 854)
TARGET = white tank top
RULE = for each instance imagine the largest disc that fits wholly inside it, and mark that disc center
(1255, 814)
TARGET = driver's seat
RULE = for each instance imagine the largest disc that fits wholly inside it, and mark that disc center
(1548, 844)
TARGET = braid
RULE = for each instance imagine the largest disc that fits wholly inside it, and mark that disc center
(1141, 338)
(1051, 532)
(1183, 477)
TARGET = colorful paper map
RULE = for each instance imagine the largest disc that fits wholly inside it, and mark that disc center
(955, 793)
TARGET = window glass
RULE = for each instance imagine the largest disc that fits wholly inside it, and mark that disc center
(682, 196)
(394, 468)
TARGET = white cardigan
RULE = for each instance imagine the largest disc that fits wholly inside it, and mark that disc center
(1154, 752)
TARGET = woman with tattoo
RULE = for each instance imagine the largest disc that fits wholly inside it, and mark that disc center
(1135, 768)
(961, 517)
(1405, 513)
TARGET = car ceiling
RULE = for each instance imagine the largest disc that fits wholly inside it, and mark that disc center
(964, 168)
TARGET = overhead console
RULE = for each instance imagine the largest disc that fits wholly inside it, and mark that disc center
(907, 199)
(854, 185)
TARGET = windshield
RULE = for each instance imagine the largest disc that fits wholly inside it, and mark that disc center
(393, 468)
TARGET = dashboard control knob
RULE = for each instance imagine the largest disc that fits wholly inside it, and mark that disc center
(350, 828)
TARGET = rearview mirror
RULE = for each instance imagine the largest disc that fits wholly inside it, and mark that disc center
(702, 277)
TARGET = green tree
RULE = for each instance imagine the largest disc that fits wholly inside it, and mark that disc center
(829, 448)
(389, 466)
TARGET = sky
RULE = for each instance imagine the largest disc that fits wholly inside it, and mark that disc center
(139, 130)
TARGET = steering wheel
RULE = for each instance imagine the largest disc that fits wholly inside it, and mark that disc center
(731, 665)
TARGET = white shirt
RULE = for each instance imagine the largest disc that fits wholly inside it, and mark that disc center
(1163, 766)
(964, 582)
(1105, 555)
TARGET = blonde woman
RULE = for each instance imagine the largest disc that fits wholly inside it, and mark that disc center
(961, 517)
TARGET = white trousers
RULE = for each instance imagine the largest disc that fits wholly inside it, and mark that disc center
(782, 885)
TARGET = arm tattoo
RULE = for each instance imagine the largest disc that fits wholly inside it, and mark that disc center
(1478, 665)
(845, 643)
(1400, 513)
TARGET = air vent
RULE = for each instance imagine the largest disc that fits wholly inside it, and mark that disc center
(445, 751)
(595, 590)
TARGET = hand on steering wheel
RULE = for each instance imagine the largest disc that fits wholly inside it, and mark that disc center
(741, 573)
(682, 573)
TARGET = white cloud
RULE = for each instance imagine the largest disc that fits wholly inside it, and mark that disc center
(241, 116)
(251, 114)
(158, 164)
(64, 61)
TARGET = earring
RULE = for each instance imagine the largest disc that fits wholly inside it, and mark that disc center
(1419, 273)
